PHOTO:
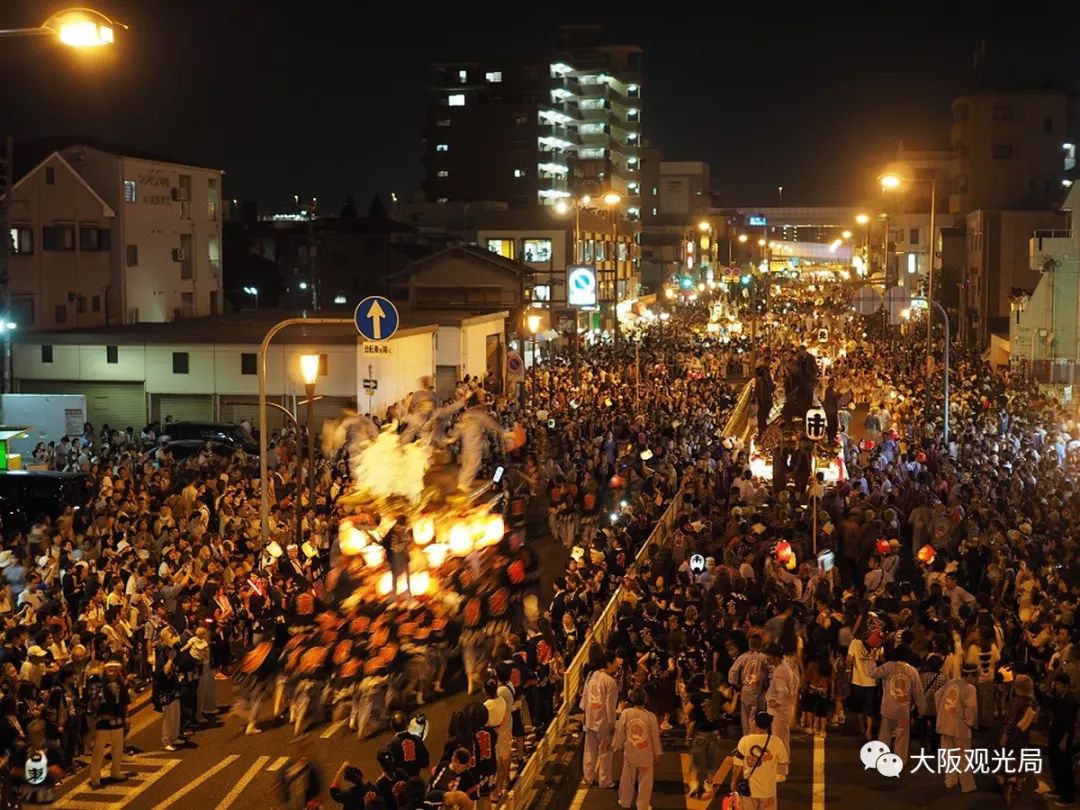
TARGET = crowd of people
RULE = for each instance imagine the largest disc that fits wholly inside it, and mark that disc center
(931, 589)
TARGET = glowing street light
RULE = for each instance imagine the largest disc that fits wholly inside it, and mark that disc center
(761, 242)
(704, 226)
(742, 238)
(562, 208)
(74, 28)
(309, 372)
(612, 198)
(309, 368)
(846, 234)
(891, 181)
(534, 323)
(862, 219)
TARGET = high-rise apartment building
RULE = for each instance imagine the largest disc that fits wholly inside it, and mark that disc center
(1007, 150)
(537, 128)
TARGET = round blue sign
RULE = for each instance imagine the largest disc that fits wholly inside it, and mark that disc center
(376, 318)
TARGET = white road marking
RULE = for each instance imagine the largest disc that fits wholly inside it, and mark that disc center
(819, 772)
(195, 783)
(239, 787)
(79, 798)
(278, 764)
(331, 730)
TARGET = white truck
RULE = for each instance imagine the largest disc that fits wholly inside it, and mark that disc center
(49, 417)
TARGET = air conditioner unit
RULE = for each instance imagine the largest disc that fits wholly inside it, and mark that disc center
(179, 255)
(180, 194)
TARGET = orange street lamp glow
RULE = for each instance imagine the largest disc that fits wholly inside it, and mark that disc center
(891, 181)
(309, 368)
(612, 199)
(862, 219)
(703, 226)
(742, 238)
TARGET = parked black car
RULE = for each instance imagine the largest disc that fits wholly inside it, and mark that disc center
(217, 433)
(43, 492)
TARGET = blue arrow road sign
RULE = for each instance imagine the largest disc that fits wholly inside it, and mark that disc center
(376, 318)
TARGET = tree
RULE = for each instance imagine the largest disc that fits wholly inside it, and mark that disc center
(377, 210)
(348, 211)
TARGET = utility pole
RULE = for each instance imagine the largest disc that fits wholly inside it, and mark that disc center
(8, 171)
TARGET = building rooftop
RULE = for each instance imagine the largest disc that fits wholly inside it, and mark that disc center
(29, 154)
(242, 327)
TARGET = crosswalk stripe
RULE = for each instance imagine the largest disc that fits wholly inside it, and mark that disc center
(240, 786)
(278, 764)
(819, 772)
(331, 730)
(117, 796)
(194, 783)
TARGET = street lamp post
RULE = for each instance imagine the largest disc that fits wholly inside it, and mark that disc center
(264, 346)
(945, 321)
(309, 370)
(894, 181)
(254, 293)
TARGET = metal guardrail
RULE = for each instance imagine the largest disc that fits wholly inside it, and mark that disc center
(523, 792)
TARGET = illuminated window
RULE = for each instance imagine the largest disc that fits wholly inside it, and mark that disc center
(912, 262)
(22, 239)
(503, 247)
(542, 292)
(442, 147)
(442, 173)
(633, 114)
(520, 172)
(463, 76)
(537, 250)
(129, 191)
(442, 199)
(456, 99)
(493, 76)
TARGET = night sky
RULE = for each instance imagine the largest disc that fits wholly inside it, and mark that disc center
(326, 97)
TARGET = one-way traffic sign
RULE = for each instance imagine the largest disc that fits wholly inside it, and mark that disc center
(376, 318)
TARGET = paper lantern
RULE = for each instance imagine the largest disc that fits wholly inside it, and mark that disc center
(783, 551)
(926, 554)
(273, 549)
(493, 529)
(617, 482)
(419, 583)
(374, 555)
(423, 531)
(436, 554)
(351, 540)
(460, 541)
(385, 584)
(882, 546)
(790, 564)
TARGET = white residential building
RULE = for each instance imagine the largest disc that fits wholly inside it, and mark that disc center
(164, 242)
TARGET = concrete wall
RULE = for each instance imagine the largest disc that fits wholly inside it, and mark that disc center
(48, 278)
(401, 366)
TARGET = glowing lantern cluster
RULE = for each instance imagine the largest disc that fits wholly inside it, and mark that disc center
(784, 552)
(882, 546)
(374, 555)
(460, 540)
(352, 540)
(385, 584)
(926, 554)
(423, 531)
(436, 554)
(419, 583)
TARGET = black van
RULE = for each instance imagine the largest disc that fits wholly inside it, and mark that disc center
(43, 493)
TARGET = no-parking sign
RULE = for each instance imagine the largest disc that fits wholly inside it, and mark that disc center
(514, 364)
(581, 286)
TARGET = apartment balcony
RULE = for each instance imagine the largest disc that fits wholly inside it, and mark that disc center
(1050, 249)
(559, 135)
(568, 83)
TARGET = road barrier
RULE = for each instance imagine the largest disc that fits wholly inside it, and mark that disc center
(524, 792)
